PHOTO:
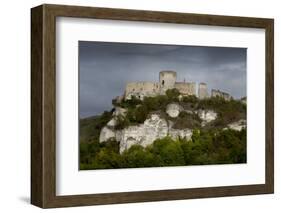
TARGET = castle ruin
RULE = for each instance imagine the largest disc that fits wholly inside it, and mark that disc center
(218, 93)
(167, 80)
(203, 91)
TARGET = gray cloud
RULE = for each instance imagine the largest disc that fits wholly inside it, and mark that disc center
(105, 67)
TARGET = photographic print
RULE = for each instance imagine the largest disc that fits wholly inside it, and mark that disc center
(158, 105)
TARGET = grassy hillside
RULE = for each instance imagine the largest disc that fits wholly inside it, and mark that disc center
(89, 128)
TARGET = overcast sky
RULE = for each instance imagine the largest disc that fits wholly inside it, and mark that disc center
(105, 67)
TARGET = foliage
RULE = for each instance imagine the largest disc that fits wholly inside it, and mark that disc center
(187, 120)
(130, 103)
(173, 94)
(205, 147)
(122, 122)
(137, 157)
(169, 152)
(90, 128)
(137, 115)
(228, 111)
(190, 99)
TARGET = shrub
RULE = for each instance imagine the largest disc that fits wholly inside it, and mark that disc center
(122, 122)
(169, 151)
(107, 159)
(129, 103)
(205, 147)
(88, 151)
(187, 120)
(190, 99)
(141, 113)
(173, 94)
(137, 156)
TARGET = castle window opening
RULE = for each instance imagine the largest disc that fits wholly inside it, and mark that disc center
(163, 82)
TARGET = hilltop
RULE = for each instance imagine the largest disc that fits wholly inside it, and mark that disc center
(165, 130)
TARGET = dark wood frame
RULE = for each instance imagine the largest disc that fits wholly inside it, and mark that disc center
(43, 105)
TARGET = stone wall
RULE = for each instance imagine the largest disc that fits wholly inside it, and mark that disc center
(218, 93)
(141, 89)
(202, 91)
(167, 80)
(186, 88)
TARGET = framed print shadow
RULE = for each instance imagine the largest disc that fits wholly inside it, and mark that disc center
(136, 106)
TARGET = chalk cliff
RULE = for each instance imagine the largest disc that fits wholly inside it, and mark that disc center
(154, 127)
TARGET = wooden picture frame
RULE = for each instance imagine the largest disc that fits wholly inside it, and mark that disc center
(43, 105)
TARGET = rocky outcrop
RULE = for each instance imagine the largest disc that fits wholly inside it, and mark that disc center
(155, 127)
(207, 116)
(144, 134)
(107, 134)
(238, 125)
(112, 122)
(119, 111)
(173, 110)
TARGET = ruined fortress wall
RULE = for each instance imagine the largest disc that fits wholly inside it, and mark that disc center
(141, 89)
(202, 91)
(184, 88)
(218, 93)
(167, 79)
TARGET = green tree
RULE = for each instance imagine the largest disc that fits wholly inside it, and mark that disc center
(107, 159)
(173, 94)
(195, 135)
(169, 151)
(190, 99)
(137, 156)
(141, 113)
(122, 122)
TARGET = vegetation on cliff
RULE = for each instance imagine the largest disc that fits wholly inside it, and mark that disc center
(228, 111)
(205, 147)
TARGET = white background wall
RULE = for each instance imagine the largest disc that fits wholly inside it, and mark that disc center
(15, 105)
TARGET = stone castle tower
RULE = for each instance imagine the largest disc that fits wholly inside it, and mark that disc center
(202, 91)
(167, 79)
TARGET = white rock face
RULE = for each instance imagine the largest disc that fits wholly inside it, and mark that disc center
(119, 111)
(155, 128)
(112, 122)
(238, 125)
(130, 136)
(118, 135)
(144, 134)
(180, 133)
(108, 131)
(106, 134)
(173, 110)
(207, 116)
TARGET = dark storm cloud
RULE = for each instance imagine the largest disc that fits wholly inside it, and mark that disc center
(104, 69)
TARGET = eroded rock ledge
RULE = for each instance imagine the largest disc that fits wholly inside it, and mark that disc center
(144, 134)
(156, 127)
